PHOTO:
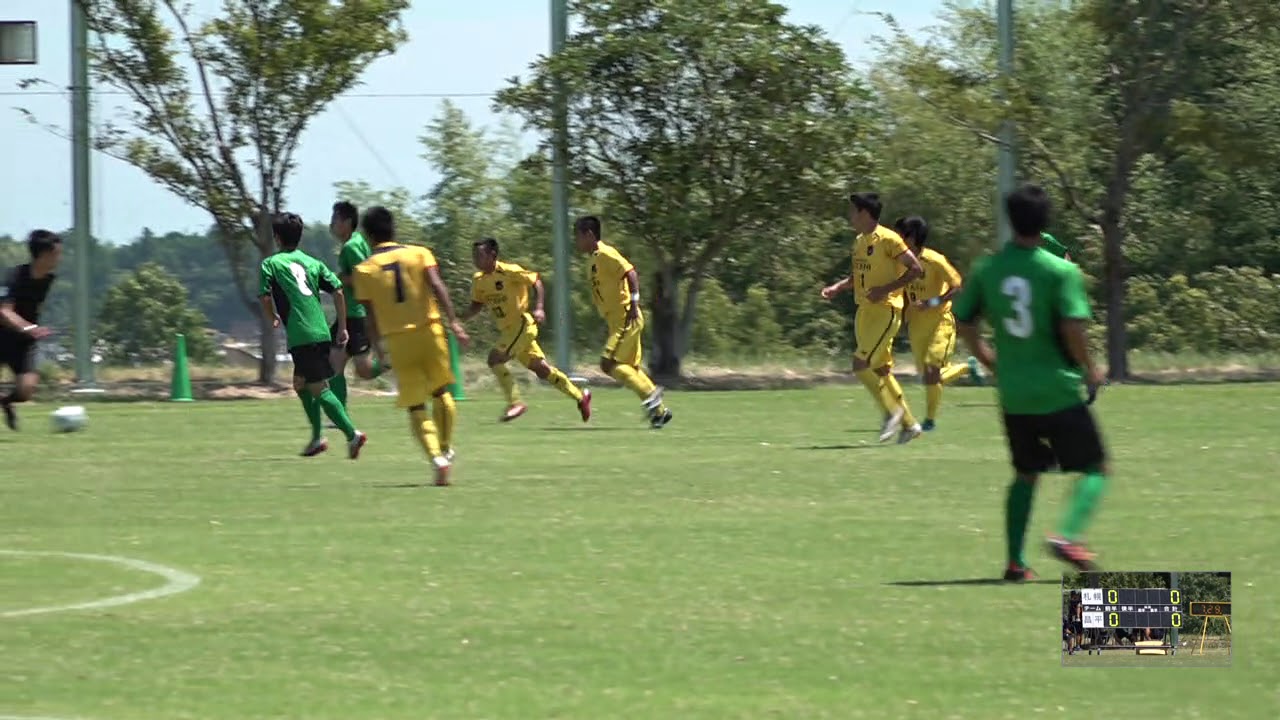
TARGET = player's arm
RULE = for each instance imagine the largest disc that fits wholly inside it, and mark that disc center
(844, 285)
(264, 297)
(967, 309)
(908, 260)
(539, 296)
(633, 289)
(954, 285)
(1073, 308)
(436, 283)
(330, 283)
(476, 305)
(9, 316)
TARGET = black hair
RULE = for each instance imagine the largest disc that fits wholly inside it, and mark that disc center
(916, 229)
(868, 201)
(588, 223)
(900, 226)
(379, 225)
(40, 242)
(347, 211)
(488, 244)
(288, 227)
(1028, 210)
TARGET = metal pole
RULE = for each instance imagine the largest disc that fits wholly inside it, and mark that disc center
(1008, 168)
(1173, 634)
(560, 196)
(80, 189)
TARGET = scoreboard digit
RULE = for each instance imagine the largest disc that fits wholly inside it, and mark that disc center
(1134, 607)
(1210, 609)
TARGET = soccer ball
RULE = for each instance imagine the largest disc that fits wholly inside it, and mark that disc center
(70, 419)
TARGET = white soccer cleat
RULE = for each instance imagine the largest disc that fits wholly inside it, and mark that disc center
(892, 425)
(449, 455)
(910, 433)
(442, 467)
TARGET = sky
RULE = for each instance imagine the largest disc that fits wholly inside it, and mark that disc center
(463, 50)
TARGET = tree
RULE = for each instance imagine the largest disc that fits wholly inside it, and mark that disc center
(217, 110)
(1117, 76)
(142, 313)
(700, 122)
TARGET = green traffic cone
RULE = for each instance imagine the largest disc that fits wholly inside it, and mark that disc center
(180, 386)
(455, 365)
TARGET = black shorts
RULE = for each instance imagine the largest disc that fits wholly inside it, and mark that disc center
(18, 353)
(311, 362)
(1068, 439)
(357, 340)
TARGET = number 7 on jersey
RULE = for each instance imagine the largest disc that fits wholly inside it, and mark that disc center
(394, 269)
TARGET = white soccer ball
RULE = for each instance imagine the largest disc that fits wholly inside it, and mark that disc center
(70, 418)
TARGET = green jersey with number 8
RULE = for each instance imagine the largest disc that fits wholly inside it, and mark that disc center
(294, 280)
(1024, 293)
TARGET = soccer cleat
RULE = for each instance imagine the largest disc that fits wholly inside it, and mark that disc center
(659, 420)
(315, 447)
(975, 371)
(10, 416)
(928, 425)
(1018, 573)
(584, 405)
(354, 445)
(450, 455)
(654, 401)
(892, 425)
(513, 412)
(910, 433)
(442, 468)
(1072, 553)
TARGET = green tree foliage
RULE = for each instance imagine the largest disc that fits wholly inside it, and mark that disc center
(141, 315)
(702, 124)
(216, 110)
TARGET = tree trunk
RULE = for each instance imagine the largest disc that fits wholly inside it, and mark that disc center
(270, 348)
(664, 312)
(685, 337)
(1114, 272)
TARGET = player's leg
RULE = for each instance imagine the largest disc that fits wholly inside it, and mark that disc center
(367, 365)
(1077, 444)
(498, 358)
(880, 357)
(338, 357)
(621, 361)
(871, 328)
(408, 355)
(439, 377)
(1030, 456)
(938, 345)
(311, 407)
(316, 371)
(20, 358)
(910, 428)
(529, 354)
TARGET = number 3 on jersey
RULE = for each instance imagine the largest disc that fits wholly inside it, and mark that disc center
(1018, 290)
(394, 268)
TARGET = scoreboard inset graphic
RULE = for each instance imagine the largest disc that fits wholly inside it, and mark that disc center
(1131, 608)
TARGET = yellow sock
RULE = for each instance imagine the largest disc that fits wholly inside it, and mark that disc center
(560, 381)
(952, 372)
(639, 383)
(872, 382)
(445, 412)
(893, 391)
(424, 431)
(933, 398)
(507, 382)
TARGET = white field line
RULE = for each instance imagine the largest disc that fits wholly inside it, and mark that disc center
(176, 581)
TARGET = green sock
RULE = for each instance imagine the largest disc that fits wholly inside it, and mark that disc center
(338, 384)
(1017, 513)
(1084, 500)
(375, 367)
(338, 414)
(312, 409)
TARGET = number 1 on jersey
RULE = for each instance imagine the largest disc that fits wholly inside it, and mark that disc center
(394, 269)
(1018, 290)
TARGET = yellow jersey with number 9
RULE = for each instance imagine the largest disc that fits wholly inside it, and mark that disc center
(394, 281)
(939, 279)
(875, 263)
(505, 291)
(609, 292)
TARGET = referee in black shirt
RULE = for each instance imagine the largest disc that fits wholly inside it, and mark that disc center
(22, 292)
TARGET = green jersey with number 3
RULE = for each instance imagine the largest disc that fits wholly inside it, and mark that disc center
(1024, 293)
(354, 251)
(294, 280)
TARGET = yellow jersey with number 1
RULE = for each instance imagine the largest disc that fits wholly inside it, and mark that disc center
(505, 291)
(875, 263)
(394, 281)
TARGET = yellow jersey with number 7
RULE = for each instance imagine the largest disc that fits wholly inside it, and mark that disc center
(394, 281)
(875, 263)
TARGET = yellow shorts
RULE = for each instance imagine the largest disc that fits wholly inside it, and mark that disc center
(933, 339)
(421, 362)
(874, 328)
(623, 345)
(521, 344)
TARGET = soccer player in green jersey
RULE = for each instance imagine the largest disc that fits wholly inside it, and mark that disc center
(291, 281)
(342, 225)
(1036, 306)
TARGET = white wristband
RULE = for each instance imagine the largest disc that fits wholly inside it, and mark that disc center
(29, 328)
(635, 297)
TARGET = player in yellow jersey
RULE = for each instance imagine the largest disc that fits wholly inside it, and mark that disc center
(401, 287)
(615, 290)
(504, 287)
(930, 324)
(882, 267)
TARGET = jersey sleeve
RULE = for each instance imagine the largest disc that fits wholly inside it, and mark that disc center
(360, 284)
(967, 306)
(264, 278)
(1073, 301)
(328, 281)
(949, 270)
(428, 258)
(528, 277)
(894, 245)
(348, 259)
(619, 262)
(475, 288)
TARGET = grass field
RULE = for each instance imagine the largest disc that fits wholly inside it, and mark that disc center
(760, 558)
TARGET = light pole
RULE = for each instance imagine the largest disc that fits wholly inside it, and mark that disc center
(1007, 165)
(82, 233)
(560, 196)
